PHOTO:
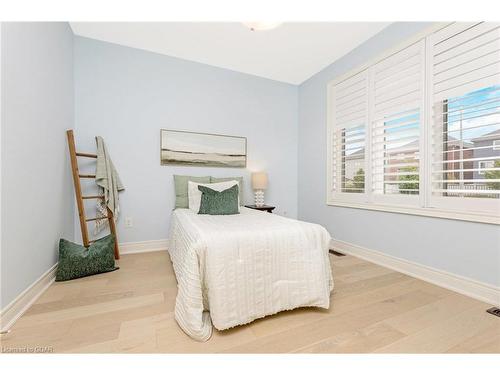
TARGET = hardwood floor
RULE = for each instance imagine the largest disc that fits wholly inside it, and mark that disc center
(373, 309)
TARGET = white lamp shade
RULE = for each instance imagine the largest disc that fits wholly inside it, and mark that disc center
(259, 180)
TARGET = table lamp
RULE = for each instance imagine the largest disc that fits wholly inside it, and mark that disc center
(259, 184)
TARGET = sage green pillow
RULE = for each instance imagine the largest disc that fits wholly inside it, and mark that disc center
(78, 261)
(181, 188)
(240, 184)
(215, 202)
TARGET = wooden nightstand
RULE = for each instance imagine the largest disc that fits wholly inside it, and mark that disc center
(261, 208)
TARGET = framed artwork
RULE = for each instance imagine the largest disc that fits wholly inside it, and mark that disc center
(202, 149)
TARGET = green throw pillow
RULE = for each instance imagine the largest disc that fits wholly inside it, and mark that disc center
(224, 179)
(215, 202)
(78, 261)
(181, 188)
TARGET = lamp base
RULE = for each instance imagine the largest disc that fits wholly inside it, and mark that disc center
(259, 198)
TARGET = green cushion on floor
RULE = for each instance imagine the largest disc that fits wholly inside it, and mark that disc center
(78, 261)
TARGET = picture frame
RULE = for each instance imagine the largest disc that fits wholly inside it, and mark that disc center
(179, 147)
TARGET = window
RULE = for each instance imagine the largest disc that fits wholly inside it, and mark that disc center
(466, 152)
(418, 130)
(485, 166)
(397, 97)
(348, 137)
(466, 117)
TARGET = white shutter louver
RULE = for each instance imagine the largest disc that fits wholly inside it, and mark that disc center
(397, 109)
(348, 136)
(465, 76)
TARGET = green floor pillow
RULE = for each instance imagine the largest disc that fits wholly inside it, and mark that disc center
(78, 261)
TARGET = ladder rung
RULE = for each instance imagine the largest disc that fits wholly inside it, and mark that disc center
(97, 218)
(86, 155)
(94, 197)
(86, 175)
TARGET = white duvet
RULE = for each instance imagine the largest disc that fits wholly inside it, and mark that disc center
(234, 269)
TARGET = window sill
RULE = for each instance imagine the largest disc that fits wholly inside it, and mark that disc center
(431, 212)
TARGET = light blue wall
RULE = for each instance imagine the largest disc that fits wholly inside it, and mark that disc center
(37, 191)
(464, 248)
(127, 95)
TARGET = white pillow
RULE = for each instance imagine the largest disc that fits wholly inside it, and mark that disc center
(194, 195)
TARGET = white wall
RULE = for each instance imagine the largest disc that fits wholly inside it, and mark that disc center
(464, 248)
(127, 95)
(36, 186)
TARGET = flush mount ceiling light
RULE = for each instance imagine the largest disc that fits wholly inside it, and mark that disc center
(260, 26)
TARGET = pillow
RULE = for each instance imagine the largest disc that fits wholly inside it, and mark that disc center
(181, 188)
(78, 261)
(219, 202)
(240, 184)
(194, 195)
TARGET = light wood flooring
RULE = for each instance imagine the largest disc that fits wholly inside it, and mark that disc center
(373, 309)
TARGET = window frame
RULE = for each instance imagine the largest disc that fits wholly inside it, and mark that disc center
(480, 164)
(496, 145)
(454, 208)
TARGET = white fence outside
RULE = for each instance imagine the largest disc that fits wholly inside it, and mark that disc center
(462, 190)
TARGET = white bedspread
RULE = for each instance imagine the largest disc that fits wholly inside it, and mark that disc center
(234, 269)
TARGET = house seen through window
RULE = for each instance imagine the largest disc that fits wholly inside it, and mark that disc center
(470, 162)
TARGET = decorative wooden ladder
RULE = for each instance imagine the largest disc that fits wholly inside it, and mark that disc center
(79, 197)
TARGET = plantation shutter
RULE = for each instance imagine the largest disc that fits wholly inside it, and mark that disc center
(348, 139)
(465, 126)
(396, 124)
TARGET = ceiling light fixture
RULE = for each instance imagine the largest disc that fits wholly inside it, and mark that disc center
(260, 26)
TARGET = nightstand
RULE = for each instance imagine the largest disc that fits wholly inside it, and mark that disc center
(261, 208)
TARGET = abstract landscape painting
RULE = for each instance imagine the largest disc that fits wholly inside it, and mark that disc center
(201, 149)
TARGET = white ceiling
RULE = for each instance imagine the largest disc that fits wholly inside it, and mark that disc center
(291, 53)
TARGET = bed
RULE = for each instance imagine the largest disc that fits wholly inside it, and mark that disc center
(233, 269)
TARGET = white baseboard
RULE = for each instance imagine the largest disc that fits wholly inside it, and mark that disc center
(16, 308)
(143, 246)
(471, 288)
